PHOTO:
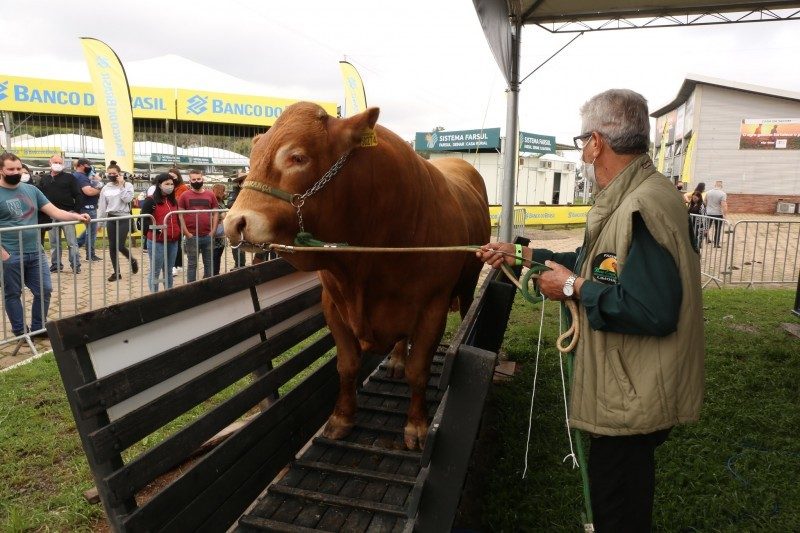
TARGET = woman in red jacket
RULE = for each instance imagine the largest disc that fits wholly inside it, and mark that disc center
(163, 236)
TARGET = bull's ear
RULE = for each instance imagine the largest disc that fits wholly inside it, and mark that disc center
(358, 125)
(256, 138)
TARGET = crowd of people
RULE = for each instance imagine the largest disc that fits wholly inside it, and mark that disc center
(85, 194)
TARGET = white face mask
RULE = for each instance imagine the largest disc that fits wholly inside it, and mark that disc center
(587, 171)
(56, 167)
(25, 178)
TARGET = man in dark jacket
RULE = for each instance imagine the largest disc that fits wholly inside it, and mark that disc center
(62, 189)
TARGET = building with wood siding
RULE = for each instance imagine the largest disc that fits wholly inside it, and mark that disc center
(745, 135)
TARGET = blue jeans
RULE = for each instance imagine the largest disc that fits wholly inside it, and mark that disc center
(72, 246)
(91, 231)
(195, 247)
(157, 266)
(33, 267)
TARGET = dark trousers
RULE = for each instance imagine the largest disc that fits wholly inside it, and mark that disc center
(622, 480)
(219, 248)
(117, 235)
(717, 223)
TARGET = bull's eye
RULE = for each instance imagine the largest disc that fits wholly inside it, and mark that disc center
(299, 159)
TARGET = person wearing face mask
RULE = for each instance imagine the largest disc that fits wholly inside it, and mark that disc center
(21, 251)
(180, 189)
(90, 188)
(164, 235)
(639, 359)
(115, 201)
(198, 228)
(62, 189)
(239, 257)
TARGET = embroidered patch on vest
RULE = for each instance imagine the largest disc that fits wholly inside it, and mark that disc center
(604, 268)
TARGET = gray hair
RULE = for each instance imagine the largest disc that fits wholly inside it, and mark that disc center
(619, 115)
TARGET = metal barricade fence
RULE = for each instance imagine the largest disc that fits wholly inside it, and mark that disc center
(520, 215)
(93, 285)
(748, 252)
(765, 251)
(712, 239)
(195, 251)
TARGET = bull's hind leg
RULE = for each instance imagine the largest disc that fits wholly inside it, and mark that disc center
(348, 362)
(395, 368)
(418, 369)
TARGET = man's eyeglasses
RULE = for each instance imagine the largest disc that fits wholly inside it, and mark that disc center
(580, 140)
(113, 176)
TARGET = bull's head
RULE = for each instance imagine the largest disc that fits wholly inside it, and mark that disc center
(286, 163)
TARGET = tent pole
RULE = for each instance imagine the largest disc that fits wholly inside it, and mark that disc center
(510, 146)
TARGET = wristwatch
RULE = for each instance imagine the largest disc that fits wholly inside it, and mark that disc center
(569, 286)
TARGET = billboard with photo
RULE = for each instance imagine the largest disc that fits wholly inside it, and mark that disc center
(769, 134)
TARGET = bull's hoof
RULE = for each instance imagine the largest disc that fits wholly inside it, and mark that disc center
(337, 427)
(414, 435)
(395, 369)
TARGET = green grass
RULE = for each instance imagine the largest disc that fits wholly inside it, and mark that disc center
(735, 470)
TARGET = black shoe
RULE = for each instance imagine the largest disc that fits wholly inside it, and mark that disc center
(94, 258)
(134, 266)
(55, 268)
(40, 335)
(76, 270)
(114, 277)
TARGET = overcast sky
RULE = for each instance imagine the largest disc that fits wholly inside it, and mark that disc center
(425, 63)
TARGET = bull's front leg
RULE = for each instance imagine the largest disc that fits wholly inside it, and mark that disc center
(397, 360)
(418, 369)
(348, 362)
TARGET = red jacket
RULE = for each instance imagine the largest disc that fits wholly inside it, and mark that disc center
(159, 212)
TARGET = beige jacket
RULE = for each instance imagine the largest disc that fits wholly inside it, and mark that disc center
(629, 384)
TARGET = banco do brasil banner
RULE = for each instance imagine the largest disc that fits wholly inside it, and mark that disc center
(59, 97)
(228, 108)
(35, 95)
(443, 141)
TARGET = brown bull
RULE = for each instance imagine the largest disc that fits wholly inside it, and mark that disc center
(384, 195)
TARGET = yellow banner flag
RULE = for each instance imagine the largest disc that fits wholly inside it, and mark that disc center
(355, 99)
(662, 153)
(110, 85)
(686, 171)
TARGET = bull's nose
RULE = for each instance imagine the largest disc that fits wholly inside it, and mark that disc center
(235, 225)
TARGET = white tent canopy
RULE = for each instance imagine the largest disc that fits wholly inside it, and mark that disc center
(74, 145)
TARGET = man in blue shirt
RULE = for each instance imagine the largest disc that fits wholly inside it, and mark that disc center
(91, 194)
(23, 260)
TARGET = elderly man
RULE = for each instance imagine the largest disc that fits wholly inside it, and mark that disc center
(639, 360)
(62, 189)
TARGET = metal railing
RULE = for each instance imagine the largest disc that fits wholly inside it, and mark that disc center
(520, 215)
(94, 284)
(748, 252)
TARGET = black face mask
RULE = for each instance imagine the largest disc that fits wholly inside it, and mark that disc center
(13, 179)
(196, 185)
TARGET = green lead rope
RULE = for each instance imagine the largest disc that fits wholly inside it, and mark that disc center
(586, 516)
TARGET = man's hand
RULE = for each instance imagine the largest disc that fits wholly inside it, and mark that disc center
(492, 255)
(551, 282)
(84, 217)
(4, 255)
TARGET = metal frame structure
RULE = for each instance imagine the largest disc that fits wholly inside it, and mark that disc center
(502, 22)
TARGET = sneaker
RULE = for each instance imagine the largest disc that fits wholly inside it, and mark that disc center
(94, 258)
(134, 266)
(114, 277)
(56, 268)
(76, 270)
